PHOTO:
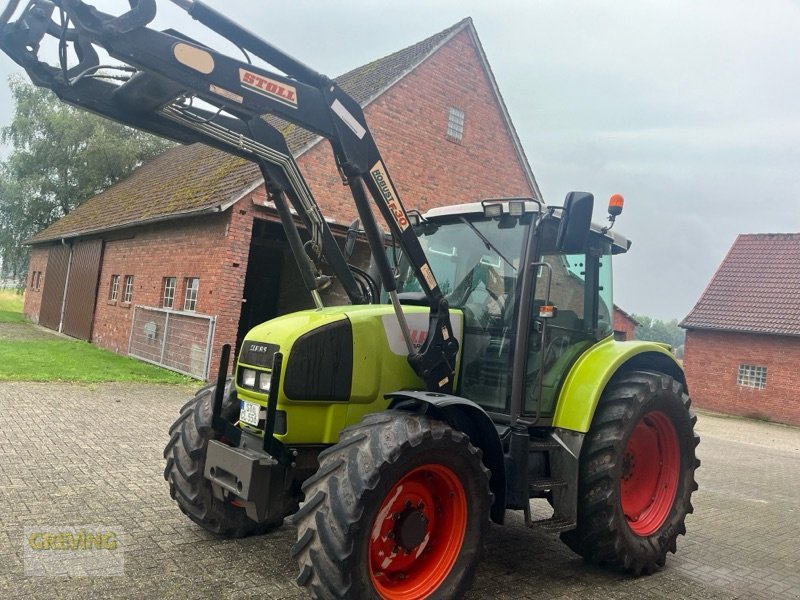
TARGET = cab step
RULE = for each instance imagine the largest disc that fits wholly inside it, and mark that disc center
(553, 524)
(544, 484)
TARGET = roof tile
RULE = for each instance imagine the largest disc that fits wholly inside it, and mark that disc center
(756, 289)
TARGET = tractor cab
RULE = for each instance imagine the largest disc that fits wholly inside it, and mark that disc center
(521, 292)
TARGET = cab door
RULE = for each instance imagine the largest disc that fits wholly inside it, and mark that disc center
(578, 287)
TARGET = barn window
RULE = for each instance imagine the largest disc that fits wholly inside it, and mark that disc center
(192, 285)
(36, 280)
(752, 376)
(455, 124)
(113, 290)
(128, 295)
(168, 298)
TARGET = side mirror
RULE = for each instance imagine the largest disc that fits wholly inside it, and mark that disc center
(576, 222)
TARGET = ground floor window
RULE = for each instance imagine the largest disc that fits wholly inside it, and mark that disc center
(128, 295)
(752, 376)
(168, 297)
(36, 280)
(113, 290)
(192, 285)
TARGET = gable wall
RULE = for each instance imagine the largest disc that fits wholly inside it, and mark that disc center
(712, 360)
(409, 123)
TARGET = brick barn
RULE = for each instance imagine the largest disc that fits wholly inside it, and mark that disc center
(743, 335)
(624, 325)
(187, 253)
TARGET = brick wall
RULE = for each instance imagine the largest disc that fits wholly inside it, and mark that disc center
(184, 248)
(712, 361)
(409, 123)
(33, 297)
(624, 326)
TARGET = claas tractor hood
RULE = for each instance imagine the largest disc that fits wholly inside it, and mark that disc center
(338, 362)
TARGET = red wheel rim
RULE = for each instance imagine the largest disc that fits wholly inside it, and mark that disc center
(650, 469)
(417, 533)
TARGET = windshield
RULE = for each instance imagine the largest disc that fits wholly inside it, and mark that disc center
(471, 256)
(476, 261)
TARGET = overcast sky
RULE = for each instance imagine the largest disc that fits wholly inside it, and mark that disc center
(690, 109)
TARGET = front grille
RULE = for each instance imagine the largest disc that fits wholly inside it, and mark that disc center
(258, 354)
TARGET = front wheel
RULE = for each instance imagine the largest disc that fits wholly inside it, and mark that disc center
(397, 510)
(186, 457)
(636, 474)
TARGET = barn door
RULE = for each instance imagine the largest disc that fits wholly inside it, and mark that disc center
(53, 293)
(84, 273)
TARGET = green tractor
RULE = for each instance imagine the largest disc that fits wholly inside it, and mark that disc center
(474, 370)
(398, 484)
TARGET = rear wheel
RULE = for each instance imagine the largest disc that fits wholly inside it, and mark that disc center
(636, 474)
(186, 458)
(397, 510)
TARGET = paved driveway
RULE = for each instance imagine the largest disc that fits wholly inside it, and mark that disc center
(75, 455)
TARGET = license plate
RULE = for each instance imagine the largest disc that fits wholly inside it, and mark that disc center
(249, 412)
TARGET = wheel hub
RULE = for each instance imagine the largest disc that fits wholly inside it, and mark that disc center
(411, 528)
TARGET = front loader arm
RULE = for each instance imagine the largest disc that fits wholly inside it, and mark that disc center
(176, 87)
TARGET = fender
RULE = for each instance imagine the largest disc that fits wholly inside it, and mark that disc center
(587, 379)
(468, 417)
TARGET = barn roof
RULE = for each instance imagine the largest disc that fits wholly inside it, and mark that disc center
(756, 289)
(196, 179)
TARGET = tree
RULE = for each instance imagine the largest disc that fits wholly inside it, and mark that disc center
(61, 156)
(656, 330)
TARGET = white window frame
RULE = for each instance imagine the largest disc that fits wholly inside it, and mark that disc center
(127, 295)
(192, 291)
(114, 289)
(455, 124)
(168, 292)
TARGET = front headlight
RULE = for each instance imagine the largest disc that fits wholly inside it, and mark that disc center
(264, 381)
(248, 378)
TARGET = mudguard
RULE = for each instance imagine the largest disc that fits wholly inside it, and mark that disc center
(589, 375)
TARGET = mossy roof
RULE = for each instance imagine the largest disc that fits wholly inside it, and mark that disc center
(194, 179)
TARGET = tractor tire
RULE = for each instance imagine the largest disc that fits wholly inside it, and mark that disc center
(186, 456)
(636, 474)
(398, 509)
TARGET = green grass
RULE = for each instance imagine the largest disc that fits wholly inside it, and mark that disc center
(67, 360)
(10, 307)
